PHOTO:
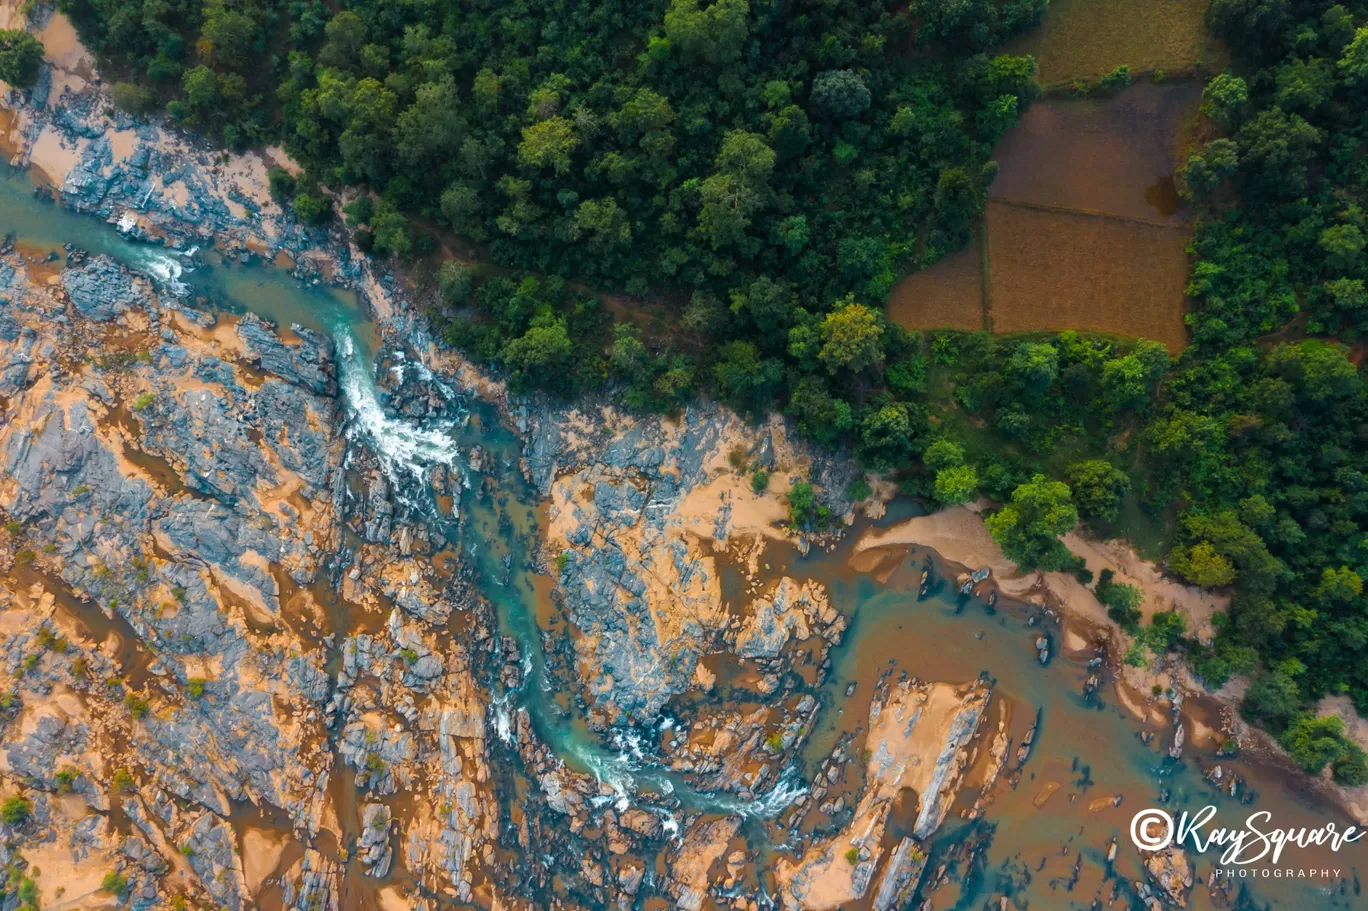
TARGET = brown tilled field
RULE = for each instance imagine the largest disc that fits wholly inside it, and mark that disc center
(948, 295)
(1100, 156)
(1083, 229)
(1063, 270)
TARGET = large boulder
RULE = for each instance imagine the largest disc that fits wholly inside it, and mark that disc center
(101, 289)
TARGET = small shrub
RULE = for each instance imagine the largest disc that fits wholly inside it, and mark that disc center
(116, 884)
(27, 891)
(760, 480)
(853, 856)
(66, 780)
(51, 641)
(282, 184)
(143, 401)
(1116, 80)
(358, 212)
(1351, 770)
(312, 208)
(1121, 600)
(194, 687)
(1315, 742)
(1137, 655)
(775, 741)
(859, 490)
(409, 655)
(804, 510)
(123, 782)
(16, 810)
(455, 281)
(21, 58)
(136, 705)
(562, 561)
(135, 99)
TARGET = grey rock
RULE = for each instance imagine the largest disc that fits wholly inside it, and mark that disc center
(309, 363)
(901, 877)
(374, 841)
(102, 289)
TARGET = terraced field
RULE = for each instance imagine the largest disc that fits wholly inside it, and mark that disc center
(1083, 230)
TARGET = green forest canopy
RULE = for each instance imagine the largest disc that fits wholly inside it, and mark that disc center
(772, 166)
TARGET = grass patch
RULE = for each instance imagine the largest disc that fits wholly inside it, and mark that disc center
(1062, 270)
(1085, 39)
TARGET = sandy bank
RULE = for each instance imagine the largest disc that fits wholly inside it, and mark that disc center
(959, 535)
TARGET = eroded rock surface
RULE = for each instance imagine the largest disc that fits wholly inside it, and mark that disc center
(918, 740)
(642, 512)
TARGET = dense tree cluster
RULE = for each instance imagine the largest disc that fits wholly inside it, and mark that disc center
(1264, 447)
(769, 164)
(20, 56)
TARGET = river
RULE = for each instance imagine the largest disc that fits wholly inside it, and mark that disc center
(1088, 748)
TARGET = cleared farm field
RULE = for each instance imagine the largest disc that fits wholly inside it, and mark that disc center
(1115, 156)
(1056, 269)
(948, 295)
(1083, 229)
(1084, 39)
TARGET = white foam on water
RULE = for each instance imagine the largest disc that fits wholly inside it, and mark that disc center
(167, 270)
(777, 799)
(405, 451)
(769, 805)
(610, 770)
(503, 719)
(421, 371)
(629, 745)
(669, 824)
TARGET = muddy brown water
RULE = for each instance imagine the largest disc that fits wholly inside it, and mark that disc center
(1087, 752)
(131, 655)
